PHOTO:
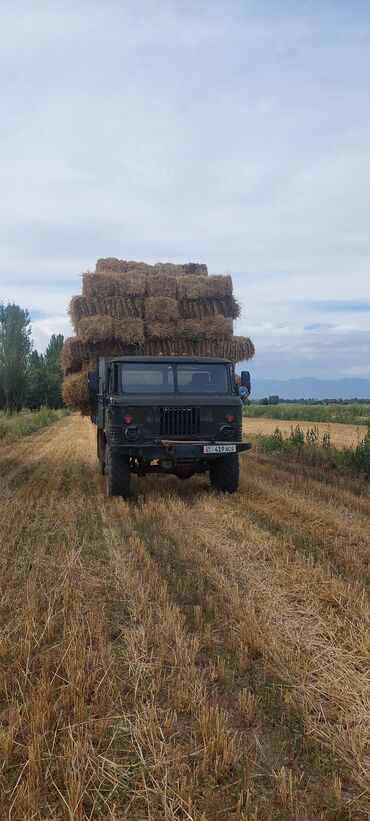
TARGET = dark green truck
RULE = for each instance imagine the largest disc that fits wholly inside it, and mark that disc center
(178, 415)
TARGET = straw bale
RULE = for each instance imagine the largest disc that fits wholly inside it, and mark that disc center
(205, 287)
(160, 330)
(100, 328)
(198, 308)
(161, 285)
(75, 390)
(121, 266)
(71, 358)
(217, 327)
(162, 308)
(112, 264)
(110, 284)
(189, 268)
(118, 307)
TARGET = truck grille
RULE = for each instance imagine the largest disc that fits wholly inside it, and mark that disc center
(179, 421)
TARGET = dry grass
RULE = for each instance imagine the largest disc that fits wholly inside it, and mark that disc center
(176, 658)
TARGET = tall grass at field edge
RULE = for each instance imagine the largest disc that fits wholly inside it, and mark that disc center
(16, 425)
(353, 414)
(308, 449)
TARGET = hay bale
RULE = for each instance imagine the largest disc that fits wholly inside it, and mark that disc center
(118, 307)
(198, 308)
(160, 330)
(122, 266)
(161, 285)
(161, 308)
(186, 269)
(70, 357)
(100, 328)
(205, 287)
(110, 284)
(112, 264)
(75, 390)
(217, 327)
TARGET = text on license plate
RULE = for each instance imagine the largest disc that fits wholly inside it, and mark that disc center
(219, 449)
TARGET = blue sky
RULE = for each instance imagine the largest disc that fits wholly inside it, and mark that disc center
(232, 133)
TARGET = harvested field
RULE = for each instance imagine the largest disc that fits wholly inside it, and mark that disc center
(184, 655)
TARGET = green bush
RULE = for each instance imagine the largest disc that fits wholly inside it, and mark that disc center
(311, 451)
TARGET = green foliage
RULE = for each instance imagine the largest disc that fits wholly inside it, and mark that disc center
(310, 450)
(356, 413)
(36, 382)
(53, 372)
(15, 349)
(14, 426)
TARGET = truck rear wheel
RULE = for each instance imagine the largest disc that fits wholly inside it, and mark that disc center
(117, 474)
(224, 473)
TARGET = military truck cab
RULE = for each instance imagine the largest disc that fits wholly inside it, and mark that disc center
(178, 415)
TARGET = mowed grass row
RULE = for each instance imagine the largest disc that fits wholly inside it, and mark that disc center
(353, 413)
(177, 657)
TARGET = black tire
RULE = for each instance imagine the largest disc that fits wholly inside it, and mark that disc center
(224, 473)
(117, 474)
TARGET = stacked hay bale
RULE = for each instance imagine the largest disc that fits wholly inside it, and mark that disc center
(131, 308)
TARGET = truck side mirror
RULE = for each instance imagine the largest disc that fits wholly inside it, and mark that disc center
(245, 381)
(93, 382)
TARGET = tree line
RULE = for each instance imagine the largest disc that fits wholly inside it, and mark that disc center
(27, 378)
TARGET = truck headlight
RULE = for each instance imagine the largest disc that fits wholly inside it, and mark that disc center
(132, 433)
(226, 431)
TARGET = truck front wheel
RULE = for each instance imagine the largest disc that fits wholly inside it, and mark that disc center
(117, 474)
(224, 473)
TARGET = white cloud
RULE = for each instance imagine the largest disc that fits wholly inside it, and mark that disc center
(233, 133)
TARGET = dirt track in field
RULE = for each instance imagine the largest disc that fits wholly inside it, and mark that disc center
(184, 655)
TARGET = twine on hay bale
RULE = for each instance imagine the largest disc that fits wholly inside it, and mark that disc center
(161, 308)
(111, 284)
(104, 328)
(203, 288)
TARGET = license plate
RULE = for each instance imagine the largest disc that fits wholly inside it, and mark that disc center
(219, 449)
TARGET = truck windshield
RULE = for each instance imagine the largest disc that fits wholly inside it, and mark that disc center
(199, 378)
(143, 377)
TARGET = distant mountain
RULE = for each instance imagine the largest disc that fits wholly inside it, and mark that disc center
(310, 388)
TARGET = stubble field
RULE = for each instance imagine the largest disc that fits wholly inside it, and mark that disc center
(184, 655)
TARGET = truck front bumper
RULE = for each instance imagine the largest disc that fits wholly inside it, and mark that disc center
(172, 449)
